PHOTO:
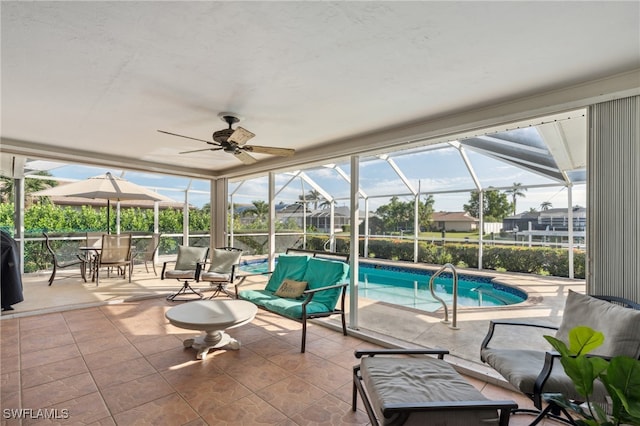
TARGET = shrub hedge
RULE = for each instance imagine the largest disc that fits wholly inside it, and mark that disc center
(531, 260)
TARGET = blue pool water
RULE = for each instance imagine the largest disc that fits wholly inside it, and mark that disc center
(409, 287)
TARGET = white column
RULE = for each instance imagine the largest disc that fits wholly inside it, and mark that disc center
(272, 220)
(332, 226)
(185, 218)
(231, 221)
(365, 252)
(416, 224)
(570, 228)
(219, 203)
(156, 215)
(481, 214)
(18, 191)
(355, 237)
(118, 217)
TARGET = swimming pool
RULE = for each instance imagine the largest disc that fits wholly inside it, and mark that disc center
(409, 287)
(405, 286)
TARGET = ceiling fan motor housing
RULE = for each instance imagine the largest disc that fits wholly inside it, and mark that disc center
(221, 136)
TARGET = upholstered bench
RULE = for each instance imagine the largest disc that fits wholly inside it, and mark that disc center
(321, 281)
(421, 390)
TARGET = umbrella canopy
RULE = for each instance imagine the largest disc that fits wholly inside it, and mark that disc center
(106, 187)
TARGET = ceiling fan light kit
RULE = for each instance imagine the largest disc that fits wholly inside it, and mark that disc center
(233, 141)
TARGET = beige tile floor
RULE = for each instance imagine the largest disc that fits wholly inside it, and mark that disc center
(109, 356)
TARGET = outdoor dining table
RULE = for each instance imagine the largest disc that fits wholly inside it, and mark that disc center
(91, 257)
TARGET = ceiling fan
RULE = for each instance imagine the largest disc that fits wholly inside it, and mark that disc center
(233, 142)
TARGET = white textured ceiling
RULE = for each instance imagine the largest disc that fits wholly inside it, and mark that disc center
(96, 80)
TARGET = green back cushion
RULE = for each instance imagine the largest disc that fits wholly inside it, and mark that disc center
(189, 257)
(620, 325)
(323, 273)
(292, 267)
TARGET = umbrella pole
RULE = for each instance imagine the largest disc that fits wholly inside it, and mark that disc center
(108, 216)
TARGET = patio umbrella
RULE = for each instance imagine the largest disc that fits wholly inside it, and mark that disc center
(106, 187)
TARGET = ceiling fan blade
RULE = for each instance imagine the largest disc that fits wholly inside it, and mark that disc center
(283, 152)
(200, 150)
(188, 137)
(244, 157)
(240, 136)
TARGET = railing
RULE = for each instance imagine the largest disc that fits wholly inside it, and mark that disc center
(454, 323)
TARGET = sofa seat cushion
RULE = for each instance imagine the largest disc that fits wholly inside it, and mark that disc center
(324, 273)
(292, 308)
(413, 381)
(257, 297)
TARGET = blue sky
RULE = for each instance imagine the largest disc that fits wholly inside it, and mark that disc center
(436, 170)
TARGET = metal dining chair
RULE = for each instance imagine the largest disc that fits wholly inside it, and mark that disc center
(115, 252)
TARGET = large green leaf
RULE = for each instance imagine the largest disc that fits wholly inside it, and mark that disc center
(581, 371)
(583, 340)
(558, 345)
(622, 379)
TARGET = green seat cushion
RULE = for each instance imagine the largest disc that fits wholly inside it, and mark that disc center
(257, 297)
(324, 273)
(292, 308)
(288, 266)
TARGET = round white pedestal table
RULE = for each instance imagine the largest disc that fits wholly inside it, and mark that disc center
(212, 317)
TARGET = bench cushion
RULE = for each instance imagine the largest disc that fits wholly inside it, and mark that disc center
(324, 273)
(288, 266)
(258, 297)
(292, 308)
(419, 380)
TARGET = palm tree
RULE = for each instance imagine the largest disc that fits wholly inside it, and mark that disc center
(30, 186)
(312, 195)
(259, 210)
(517, 190)
(545, 205)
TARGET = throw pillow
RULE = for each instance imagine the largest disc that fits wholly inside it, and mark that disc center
(291, 289)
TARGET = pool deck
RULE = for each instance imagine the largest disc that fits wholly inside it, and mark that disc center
(378, 322)
(394, 326)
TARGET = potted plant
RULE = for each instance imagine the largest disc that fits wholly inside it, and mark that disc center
(620, 376)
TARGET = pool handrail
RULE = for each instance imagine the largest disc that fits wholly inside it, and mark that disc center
(454, 323)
